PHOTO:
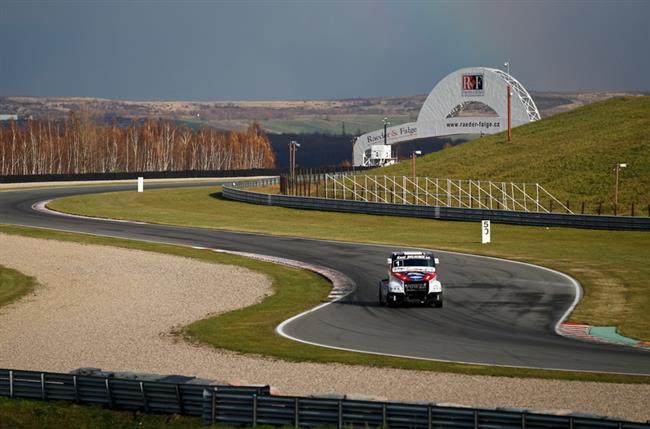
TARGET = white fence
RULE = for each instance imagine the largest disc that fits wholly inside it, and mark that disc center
(480, 194)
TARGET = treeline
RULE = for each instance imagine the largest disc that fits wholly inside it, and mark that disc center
(79, 145)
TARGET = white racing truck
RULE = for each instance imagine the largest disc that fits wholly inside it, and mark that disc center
(411, 280)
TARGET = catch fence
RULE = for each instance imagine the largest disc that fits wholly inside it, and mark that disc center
(304, 195)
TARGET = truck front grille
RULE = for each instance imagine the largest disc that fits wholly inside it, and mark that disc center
(416, 290)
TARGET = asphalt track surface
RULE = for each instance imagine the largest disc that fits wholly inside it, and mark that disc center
(495, 312)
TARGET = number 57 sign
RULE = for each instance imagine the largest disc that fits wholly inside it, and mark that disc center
(485, 231)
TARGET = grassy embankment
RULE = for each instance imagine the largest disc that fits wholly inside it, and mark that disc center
(611, 265)
(571, 154)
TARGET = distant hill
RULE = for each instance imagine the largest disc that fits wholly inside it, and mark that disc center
(571, 154)
(347, 116)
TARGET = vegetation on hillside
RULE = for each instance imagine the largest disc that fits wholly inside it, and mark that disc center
(79, 145)
(571, 154)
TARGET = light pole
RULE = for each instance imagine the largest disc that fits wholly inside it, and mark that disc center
(507, 65)
(617, 169)
(413, 155)
(293, 147)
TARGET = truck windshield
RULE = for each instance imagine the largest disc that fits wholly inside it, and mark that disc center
(413, 263)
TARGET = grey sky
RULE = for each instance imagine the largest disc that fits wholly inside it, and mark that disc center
(305, 50)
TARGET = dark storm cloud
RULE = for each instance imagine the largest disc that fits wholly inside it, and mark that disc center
(275, 50)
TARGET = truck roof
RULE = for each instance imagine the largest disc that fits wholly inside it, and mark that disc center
(411, 254)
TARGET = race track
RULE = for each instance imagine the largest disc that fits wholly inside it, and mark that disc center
(496, 312)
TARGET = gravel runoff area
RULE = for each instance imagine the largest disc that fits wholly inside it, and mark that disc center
(116, 309)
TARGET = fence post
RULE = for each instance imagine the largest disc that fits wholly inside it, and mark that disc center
(523, 420)
(475, 419)
(145, 403)
(340, 422)
(583, 208)
(76, 388)
(384, 417)
(42, 386)
(296, 412)
(600, 208)
(214, 405)
(179, 398)
(430, 417)
(632, 211)
(108, 393)
(11, 384)
(254, 409)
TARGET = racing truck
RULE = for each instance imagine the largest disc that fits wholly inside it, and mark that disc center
(412, 279)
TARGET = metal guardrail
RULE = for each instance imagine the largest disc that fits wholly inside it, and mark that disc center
(237, 192)
(346, 413)
(254, 405)
(122, 175)
(116, 393)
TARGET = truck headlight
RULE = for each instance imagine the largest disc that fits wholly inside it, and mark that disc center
(396, 287)
(435, 286)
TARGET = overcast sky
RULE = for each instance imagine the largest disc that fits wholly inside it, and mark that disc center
(262, 50)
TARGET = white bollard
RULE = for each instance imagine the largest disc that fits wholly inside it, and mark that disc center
(485, 231)
(140, 184)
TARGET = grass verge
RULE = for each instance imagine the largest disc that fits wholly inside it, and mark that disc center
(14, 285)
(252, 329)
(28, 414)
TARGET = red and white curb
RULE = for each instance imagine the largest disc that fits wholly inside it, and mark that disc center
(581, 332)
(576, 331)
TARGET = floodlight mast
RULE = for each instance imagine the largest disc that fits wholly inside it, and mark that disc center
(413, 155)
(507, 64)
(293, 147)
(617, 169)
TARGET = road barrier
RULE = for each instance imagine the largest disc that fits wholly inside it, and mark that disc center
(29, 178)
(237, 192)
(185, 397)
(254, 405)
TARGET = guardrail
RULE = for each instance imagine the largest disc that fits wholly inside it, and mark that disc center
(115, 393)
(254, 405)
(28, 178)
(237, 192)
(346, 413)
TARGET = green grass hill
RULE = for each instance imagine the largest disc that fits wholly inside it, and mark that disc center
(571, 154)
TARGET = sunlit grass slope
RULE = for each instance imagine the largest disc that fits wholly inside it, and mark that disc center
(571, 154)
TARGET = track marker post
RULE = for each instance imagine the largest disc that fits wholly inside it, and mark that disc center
(485, 232)
(140, 184)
